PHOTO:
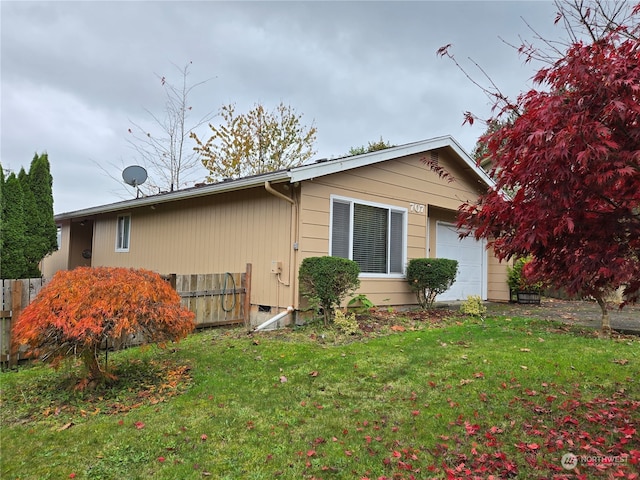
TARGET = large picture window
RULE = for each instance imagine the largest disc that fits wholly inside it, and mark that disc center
(123, 233)
(372, 235)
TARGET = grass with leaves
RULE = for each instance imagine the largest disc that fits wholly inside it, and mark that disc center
(413, 398)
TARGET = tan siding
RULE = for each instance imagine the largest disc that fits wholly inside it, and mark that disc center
(387, 292)
(314, 217)
(416, 236)
(398, 183)
(207, 235)
(315, 248)
(318, 232)
(59, 259)
(497, 288)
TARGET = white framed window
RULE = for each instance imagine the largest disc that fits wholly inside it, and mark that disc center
(373, 235)
(123, 233)
(59, 236)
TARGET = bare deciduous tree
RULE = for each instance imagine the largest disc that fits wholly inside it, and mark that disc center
(169, 161)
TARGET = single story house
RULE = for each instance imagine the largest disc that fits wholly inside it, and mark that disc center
(380, 209)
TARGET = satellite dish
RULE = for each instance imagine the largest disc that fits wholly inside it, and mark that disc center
(134, 175)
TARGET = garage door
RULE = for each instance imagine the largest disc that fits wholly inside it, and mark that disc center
(471, 256)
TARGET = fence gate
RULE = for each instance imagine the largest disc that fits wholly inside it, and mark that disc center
(16, 295)
(216, 298)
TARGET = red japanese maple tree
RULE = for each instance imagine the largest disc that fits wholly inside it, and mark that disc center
(83, 310)
(571, 160)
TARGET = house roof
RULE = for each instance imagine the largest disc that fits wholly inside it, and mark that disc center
(291, 175)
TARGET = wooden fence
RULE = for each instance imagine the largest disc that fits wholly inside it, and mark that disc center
(16, 295)
(217, 299)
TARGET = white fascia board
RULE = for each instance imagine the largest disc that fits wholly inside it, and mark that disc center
(307, 172)
(471, 163)
(194, 192)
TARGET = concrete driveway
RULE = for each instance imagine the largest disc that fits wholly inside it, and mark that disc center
(577, 312)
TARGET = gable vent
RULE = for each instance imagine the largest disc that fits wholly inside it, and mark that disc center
(434, 157)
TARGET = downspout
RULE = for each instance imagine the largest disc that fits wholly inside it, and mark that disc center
(272, 191)
(292, 266)
(264, 325)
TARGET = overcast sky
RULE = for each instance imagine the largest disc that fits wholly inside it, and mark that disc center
(75, 75)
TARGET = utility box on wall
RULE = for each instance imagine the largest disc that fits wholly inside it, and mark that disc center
(276, 267)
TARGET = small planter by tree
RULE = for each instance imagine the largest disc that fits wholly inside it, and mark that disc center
(326, 281)
(429, 277)
(82, 310)
(521, 284)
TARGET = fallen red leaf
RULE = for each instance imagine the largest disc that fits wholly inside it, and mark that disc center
(471, 429)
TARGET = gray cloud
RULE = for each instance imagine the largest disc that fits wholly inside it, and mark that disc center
(74, 75)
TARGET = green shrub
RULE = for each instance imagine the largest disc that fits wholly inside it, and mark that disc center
(326, 281)
(429, 277)
(473, 306)
(514, 274)
(360, 303)
(517, 280)
(346, 324)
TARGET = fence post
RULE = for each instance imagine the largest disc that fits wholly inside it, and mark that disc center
(16, 309)
(247, 297)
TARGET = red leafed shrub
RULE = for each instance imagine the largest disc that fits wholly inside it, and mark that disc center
(571, 158)
(82, 310)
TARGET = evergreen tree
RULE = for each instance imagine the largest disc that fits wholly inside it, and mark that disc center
(27, 228)
(13, 238)
(32, 242)
(41, 185)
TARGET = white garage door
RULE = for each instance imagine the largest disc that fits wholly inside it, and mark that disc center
(471, 256)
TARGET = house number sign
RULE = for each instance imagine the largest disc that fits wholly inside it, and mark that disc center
(416, 208)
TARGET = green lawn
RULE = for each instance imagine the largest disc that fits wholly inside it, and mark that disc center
(502, 397)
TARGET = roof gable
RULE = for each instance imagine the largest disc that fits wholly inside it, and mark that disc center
(318, 169)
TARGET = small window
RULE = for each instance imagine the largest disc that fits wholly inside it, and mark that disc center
(123, 233)
(372, 235)
(59, 236)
